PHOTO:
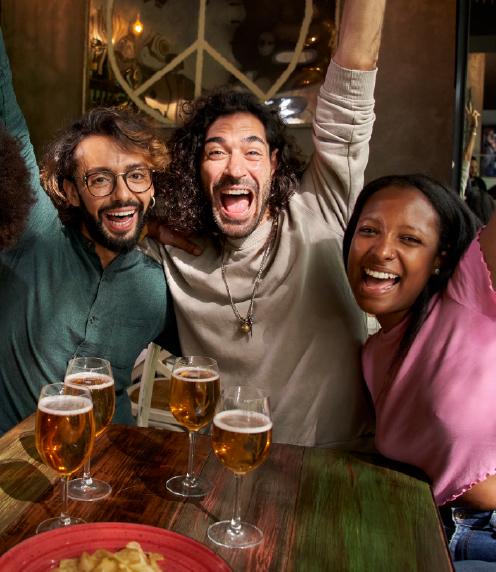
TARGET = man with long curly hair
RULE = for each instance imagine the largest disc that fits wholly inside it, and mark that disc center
(75, 284)
(268, 295)
(16, 194)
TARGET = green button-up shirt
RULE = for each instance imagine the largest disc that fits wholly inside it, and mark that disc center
(56, 300)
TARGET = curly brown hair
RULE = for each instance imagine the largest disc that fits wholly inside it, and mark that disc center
(181, 201)
(132, 131)
(17, 195)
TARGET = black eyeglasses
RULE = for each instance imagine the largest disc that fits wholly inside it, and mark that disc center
(102, 183)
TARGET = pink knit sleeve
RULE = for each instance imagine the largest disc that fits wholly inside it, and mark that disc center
(471, 284)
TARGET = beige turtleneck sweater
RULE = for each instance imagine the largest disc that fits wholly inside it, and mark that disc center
(307, 333)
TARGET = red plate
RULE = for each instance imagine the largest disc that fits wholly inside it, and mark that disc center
(42, 552)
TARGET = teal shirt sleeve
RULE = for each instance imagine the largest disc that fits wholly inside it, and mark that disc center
(169, 337)
(12, 119)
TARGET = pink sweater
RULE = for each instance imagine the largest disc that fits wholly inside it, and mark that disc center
(439, 413)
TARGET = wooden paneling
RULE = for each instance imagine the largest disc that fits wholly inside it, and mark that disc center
(45, 41)
(415, 90)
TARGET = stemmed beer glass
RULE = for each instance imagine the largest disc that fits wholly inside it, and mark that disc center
(241, 438)
(65, 433)
(194, 392)
(95, 374)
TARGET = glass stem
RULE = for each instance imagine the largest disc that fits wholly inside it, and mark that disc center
(64, 516)
(190, 475)
(87, 480)
(235, 525)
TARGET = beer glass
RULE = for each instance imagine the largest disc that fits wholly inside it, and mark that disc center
(241, 438)
(96, 375)
(194, 392)
(65, 433)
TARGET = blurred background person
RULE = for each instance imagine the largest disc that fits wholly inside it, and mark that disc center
(472, 187)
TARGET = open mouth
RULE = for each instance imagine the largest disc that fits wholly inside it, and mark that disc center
(236, 203)
(120, 220)
(379, 282)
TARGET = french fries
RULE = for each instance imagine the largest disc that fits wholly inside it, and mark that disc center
(129, 559)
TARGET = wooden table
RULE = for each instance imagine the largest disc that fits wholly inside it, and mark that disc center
(320, 509)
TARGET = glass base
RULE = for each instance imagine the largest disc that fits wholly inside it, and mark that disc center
(53, 523)
(222, 534)
(182, 487)
(80, 490)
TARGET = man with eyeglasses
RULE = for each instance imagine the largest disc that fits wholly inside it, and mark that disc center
(75, 283)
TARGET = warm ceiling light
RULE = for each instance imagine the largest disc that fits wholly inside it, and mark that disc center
(137, 26)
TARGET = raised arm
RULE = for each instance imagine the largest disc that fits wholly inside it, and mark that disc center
(473, 117)
(344, 116)
(360, 34)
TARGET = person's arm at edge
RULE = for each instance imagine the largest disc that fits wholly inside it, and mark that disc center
(488, 246)
(345, 116)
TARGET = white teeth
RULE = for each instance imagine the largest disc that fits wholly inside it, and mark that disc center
(235, 192)
(121, 214)
(380, 275)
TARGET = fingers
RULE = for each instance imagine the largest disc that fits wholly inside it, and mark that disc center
(171, 238)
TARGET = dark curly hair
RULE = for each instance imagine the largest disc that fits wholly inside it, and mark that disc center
(132, 131)
(458, 227)
(181, 201)
(17, 194)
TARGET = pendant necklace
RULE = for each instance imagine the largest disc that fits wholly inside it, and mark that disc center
(246, 323)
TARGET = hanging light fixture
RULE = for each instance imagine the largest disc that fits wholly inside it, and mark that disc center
(137, 26)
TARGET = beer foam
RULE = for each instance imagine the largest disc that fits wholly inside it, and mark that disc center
(242, 421)
(65, 405)
(195, 369)
(98, 380)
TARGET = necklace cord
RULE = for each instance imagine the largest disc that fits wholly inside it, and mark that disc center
(246, 323)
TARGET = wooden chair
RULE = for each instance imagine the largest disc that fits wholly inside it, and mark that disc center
(152, 371)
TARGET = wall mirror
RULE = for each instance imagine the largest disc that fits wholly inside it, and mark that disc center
(159, 54)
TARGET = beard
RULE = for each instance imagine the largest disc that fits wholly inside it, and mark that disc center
(99, 234)
(241, 229)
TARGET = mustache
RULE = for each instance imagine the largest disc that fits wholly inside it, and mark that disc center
(229, 180)
(120, 204)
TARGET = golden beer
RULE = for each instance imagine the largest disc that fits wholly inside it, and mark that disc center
(241, 439)
(102, 393)
(194, 393)
(65, 431)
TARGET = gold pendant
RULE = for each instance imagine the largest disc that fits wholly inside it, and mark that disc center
(246, 327)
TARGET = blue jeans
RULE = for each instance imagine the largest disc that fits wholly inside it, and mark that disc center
(474, 535)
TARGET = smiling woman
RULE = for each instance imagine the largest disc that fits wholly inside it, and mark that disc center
(394, 252)
(453, 227)
(413, 259)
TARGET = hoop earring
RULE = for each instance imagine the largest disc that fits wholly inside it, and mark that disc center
(152, 203)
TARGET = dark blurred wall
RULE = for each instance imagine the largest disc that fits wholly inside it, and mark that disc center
(45, 41)
(415, 91)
